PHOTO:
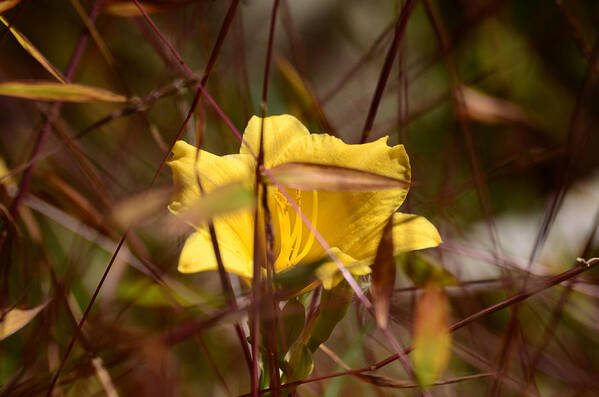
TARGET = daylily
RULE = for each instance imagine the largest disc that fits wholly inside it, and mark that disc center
(350, 222)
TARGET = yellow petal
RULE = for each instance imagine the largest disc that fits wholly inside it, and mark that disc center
(330, 275)
(198, 253)
(279, 132)
(413, 232)
(344, 218)
(410, 233)
(234, 231)
(213, 170)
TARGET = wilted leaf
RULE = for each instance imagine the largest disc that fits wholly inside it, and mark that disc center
(334, 304)
(34, 52)
(140, 207)
(6, 5)
(127, 8)
(15, 319)
(422, 271)
(383, 276)
(293, 316)
(431, 338)
(228, 198)
(50, 91)
(309, 176)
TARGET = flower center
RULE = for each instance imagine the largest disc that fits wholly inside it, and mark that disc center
(291, 231)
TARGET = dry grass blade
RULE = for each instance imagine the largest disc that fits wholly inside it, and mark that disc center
(50, 91)
(15, 319)
(33, 51)
(488, 109)
(93, 32)
(383, 276)
(310, 176)
(8, 4)
(432, 339)
(383, 381)
(127, 8)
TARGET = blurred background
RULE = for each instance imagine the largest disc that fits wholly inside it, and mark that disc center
(496, 101)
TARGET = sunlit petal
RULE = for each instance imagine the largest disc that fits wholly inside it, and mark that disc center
(279, 132)
(198, 253)
(345, 218)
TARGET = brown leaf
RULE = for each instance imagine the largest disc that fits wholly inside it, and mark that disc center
(51, 91)
(310, 176)
(383, 276)
(8, 4)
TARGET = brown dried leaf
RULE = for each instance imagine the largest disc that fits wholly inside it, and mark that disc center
(310, 176)
(383, 276)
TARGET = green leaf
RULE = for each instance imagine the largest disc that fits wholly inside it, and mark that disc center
(296, 278)
(333, 306)
(293, 317)
(422, 271)
(51, 91)
(301, 362)
(142, 292)
(431, 338)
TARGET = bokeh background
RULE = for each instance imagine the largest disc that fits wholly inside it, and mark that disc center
(496, 101)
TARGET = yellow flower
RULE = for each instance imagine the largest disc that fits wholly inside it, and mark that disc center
(350, 222)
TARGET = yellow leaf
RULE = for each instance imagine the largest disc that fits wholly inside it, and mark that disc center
(294, 80)
(93, 32)
(15, 319)
(127, 8)
(7, 5)
(34, 52)
(50, 91)
(432, 339)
